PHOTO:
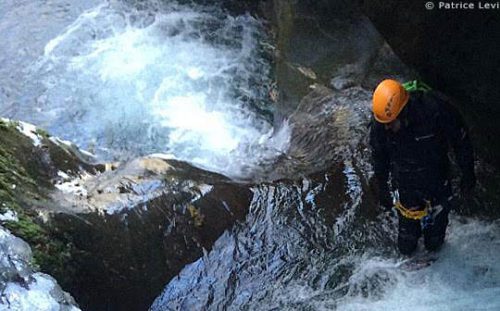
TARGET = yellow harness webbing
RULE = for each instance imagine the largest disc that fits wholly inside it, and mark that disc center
(411, 214)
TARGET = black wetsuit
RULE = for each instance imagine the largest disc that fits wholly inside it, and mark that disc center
(416, 156)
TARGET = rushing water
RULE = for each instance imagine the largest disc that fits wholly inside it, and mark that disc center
(291, 255)
(465, 277)
(125, 80)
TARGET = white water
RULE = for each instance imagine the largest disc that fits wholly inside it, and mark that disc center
(465, 277)
(187, 81)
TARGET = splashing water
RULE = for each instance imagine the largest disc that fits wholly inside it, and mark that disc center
(466, 275)
(290, 255)
(192, 82)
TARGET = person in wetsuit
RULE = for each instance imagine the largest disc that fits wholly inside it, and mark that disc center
(411, 133)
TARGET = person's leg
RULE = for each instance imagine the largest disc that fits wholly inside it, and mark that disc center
(408, 234)
(435, 232)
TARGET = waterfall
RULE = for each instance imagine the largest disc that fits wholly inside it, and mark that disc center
(191, 82)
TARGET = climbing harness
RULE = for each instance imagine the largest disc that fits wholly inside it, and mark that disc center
(413, 214)
(426, 215)
(415, 85)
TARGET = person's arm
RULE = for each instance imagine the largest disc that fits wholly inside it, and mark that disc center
(381, 163)
(458, 136)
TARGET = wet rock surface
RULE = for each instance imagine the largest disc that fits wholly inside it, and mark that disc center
(138, 225)
(289, 246)
(329, 43)
(22, 288)
(112, 234)
(299, 226)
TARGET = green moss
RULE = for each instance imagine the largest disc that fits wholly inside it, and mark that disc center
(14, 180)
(20, 162)
(27, 229)
(49, 254)
(23, 182)
(3, 125)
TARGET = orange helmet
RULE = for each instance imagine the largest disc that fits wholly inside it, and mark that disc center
(389, 99)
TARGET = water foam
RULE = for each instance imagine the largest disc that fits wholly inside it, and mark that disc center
(465, 277)
(188, 81)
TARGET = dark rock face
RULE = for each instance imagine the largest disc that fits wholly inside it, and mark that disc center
(455, 51)
(326, 42)
(139, 225)
(327, 126)
(128, 257)
(114, 234)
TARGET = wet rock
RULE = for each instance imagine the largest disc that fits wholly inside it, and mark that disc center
(288, 247)
(302, 239)
(21, 287)
(30, 161)
(341, 83)
(111, 234)
(334, 40)
(326, 127)
(286, 251)
(138, 225)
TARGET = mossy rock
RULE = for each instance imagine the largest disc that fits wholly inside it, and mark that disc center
(26, 179)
